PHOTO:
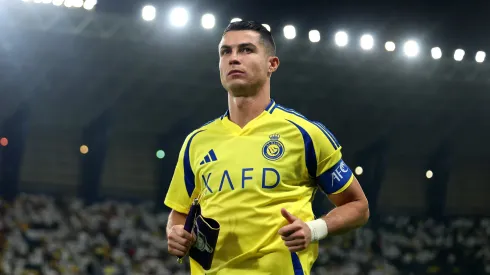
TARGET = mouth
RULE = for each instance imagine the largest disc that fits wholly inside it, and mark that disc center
(235, 72)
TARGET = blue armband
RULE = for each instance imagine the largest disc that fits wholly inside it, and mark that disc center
(335, 178)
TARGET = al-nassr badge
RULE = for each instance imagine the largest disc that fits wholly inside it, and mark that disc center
(273, 149)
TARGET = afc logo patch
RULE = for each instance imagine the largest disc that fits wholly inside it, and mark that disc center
(273, 149)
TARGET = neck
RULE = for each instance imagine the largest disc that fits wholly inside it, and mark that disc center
(244, 109)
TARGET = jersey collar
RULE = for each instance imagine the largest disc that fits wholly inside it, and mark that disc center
(225, 118)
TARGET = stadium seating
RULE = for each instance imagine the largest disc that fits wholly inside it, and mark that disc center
(43, 235)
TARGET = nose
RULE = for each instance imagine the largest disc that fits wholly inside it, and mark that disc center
(234, 59)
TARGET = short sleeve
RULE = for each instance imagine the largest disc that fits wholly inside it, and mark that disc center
(333, 175)
(182, 190)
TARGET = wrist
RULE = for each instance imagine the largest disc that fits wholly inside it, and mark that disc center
(318, 228)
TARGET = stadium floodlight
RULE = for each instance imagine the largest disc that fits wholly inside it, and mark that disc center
(68, 3)
(38, 1)
(47, 1)
(267, 27)
(58, 2)
(160, 154)
(84, 149)
(367, 42)
(179, 17)
(458, 54)
(89, 4)
(429, 174)
(359, 170)
(236, 19)
(480, 56)
(149, 13)
(436, 53)
(289, 32)
(341, 39)
(208, 21)
(4, 141)
(314, 36)
(390, 46)
(77, 3)
(411, 48)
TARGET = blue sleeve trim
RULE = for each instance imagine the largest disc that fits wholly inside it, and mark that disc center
(189, 177)
(310, 154)
(335, 178)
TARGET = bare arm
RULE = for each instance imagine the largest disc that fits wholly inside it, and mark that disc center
(351, 212)
(175, 218)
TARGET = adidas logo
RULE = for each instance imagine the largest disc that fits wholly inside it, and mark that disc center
(211, 156)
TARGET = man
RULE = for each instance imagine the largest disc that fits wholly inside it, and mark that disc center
(255, 171)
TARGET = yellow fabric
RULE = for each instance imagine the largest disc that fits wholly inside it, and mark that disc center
(250, 181)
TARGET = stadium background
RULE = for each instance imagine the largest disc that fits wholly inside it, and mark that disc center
(126, 88)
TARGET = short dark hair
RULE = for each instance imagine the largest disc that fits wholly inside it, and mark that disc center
(265, 35)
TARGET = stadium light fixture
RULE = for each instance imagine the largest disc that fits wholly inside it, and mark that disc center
(341, 39)
(160, 154)
(149, 13)
(289, 32)
(436, 53)
(208, 21)
(38, 1)
(84, 149)
(480, 56)
(367, 42)
(458, 54)
(411, 48)
(47, 1)
(89, 4)
(77, 3)
(58, 2)
(236, 19)
(179, 17)
(390, 46)
(358, 170)
(4, 141)
(429, 174)
(68, 3)
(314, 36)
(267, 27)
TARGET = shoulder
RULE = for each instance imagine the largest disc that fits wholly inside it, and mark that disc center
(314, 129)
(201, 131)
(296, 118)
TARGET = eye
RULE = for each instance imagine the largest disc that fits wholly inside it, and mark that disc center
(224, 51)
(247, 50)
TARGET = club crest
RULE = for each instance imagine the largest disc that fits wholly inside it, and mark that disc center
(273, 149)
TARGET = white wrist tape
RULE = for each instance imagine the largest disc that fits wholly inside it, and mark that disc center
(319, 229)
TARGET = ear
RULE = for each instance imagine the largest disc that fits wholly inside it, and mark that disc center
(273, 63)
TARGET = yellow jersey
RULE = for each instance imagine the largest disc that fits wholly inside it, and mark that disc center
(244, 176)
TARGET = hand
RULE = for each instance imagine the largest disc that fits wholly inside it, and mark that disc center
(296, 235)
(180, 241)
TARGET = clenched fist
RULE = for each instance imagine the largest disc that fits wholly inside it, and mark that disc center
(179, 240)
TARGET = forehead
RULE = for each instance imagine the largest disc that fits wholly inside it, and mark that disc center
(234, 38)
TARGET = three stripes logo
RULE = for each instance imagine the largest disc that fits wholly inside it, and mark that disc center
(210, 157)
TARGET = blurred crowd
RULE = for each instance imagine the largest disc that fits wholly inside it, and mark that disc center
(42, 235)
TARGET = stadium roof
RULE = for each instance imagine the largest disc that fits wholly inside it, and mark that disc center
(70, 66)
